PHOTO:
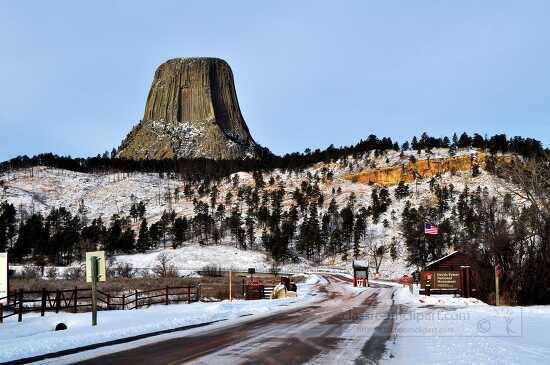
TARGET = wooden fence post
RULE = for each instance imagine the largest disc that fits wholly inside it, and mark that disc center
(57, 300)
(108, 301)
(166, 302)
(137, 307)
(20, 314)
(43, 304)
(1, 313)
(75, 297)
(189, 295)
(123, 301)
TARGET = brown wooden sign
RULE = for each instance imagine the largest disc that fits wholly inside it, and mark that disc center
(442, 279)
(447, 280)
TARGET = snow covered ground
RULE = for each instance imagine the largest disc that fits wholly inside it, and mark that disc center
(196, 257)
(190, 259)
(35, 335)
(446, 330)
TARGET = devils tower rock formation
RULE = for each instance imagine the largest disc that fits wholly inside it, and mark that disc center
(192, 111)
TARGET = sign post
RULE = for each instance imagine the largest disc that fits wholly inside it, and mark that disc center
(95, 271)
(416, 277)
(94, 264)
(230, 296)
(498, 271)
(4, 278)
(428, 285)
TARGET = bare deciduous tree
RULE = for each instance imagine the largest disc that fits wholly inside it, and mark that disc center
(164, 267)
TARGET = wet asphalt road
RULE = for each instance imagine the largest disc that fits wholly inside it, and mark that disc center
(345, 327)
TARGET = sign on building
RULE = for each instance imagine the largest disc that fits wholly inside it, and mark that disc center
(100, 268)
(444, 280)
(3, 277)
(447, 280)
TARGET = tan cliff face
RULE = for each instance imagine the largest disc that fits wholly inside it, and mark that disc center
(191, 111)
(410, 171)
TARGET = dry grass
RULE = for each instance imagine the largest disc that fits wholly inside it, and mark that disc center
(211, 287)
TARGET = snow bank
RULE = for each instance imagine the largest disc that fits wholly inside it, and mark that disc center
(35, 335)
(403, 295)
(441, 329)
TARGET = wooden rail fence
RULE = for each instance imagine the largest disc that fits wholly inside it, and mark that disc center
(80, 299)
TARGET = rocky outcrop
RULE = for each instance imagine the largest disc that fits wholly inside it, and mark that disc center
(421, 169)
(192, 111)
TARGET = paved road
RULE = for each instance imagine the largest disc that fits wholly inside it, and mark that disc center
(345, 327)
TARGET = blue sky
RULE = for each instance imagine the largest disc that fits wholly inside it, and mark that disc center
(74, 75)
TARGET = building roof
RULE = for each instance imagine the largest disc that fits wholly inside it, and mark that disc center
(442, 259)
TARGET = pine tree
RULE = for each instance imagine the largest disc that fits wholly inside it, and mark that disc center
(309, 237)
(455, 141)
(213, 197)
(235, 223)
(414, 144)
(7, 225)
(251, 238)
(141, 210)
(114, 234)
(127, 241)
(31, 238)
(347, 217)
(464, 141)
(144, 240)
(155, 234)
(401, 191)
(358, 233)
(178, 230)
(134, 212)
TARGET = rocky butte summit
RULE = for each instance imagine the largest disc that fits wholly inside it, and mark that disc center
(191, 112)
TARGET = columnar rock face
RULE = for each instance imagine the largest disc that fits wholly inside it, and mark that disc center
(192, 111)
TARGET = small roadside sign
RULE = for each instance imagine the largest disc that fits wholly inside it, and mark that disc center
(498, 270)
(429, 277)
(3, 277)
(416, 277)
(95, 271)
(498, 275)
(100, 255)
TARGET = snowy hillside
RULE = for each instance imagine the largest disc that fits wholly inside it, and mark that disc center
(101, 195)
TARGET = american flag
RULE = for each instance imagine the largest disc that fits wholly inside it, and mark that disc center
(430, 229)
